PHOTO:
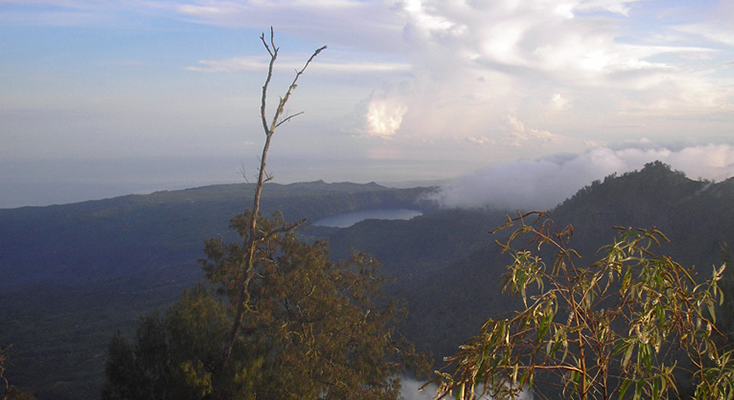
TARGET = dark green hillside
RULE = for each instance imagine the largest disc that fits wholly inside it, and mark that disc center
(411, 249)
(71, 275)
(696, 216)
(448, 305)
(113, 238)
(434, 259)
(60, 333)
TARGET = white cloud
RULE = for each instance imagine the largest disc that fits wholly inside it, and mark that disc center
(339, 22)
(480, 140)
(544, 183)
(612, 6)
(558, 102)
(383, 117)
(518, 135)
(235, 64)
(541, 47)
(710, 32)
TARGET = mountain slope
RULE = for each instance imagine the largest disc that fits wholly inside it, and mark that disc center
(71, 275)
(137, 252)
(449, 305)
(695, 215)
(98, 240)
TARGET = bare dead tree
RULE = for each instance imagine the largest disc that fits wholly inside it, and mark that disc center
(269, 128)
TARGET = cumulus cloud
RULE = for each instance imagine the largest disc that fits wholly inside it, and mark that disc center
(380, 115)
(518, 135)
(478, 61)
(544, 183)
(558, 102)
(480, 140)
(384, 117)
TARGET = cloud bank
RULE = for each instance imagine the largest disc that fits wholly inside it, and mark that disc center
(560, 67)
(544, 183)
(555, 65)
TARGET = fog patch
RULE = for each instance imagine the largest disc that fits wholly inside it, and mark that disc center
(543, 183)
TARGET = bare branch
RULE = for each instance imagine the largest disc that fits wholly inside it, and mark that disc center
(288, 118)
(243, 301)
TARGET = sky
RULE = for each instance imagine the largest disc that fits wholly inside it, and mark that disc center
(101, 98)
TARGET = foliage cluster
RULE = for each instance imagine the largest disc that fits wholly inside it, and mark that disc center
(313, 331)
(620, 325)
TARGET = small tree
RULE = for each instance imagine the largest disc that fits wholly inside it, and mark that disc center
(283, 322)
(315, 329)
(626, 326)
(241, 296)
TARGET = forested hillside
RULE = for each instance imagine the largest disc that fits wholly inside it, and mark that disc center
(70, 276)
(119, 237)
(452, 282)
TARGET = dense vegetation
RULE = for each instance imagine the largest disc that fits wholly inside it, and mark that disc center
(316, 330)
(696, 216)
(98, 240)
(60, 333)
(446, 263)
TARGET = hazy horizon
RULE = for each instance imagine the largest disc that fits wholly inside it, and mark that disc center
(539, 183)
(103, 96)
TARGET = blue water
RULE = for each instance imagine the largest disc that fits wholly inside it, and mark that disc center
(348, 219)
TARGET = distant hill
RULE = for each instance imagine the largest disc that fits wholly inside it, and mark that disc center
(99, 240)
(697, 216)
(71, 275)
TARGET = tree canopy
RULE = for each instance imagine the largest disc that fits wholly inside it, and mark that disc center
(315, 330)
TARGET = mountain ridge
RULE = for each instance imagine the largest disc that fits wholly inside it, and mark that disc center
(165, 227)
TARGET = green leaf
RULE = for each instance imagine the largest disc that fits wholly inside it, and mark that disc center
(627, 354)
(712, 312)
(623, 388)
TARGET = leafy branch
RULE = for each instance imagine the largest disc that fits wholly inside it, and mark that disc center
(617, 326)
